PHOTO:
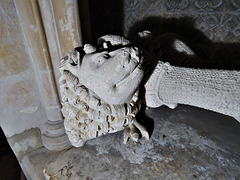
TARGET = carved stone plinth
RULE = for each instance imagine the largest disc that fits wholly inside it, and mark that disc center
(55, 137)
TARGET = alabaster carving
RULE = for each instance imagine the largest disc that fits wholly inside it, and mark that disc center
(212, 89)
(99, 91)
(215, 90)
(99, 88)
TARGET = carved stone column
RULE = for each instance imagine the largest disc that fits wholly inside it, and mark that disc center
(50, 28)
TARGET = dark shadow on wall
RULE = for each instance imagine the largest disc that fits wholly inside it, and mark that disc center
(85, 21)
(165, 31)
(106, 18)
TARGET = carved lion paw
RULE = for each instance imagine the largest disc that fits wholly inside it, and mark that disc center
(135, 131)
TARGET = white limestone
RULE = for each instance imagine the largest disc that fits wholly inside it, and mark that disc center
(100, 92)
(29, 110)
(215, 90)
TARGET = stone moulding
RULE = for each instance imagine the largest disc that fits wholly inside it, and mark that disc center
(50, 28)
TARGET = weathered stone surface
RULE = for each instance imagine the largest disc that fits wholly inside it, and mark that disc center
(215, 90)
(20, 101)
(100, 91)
(25, 142)
(10, 36)
(187, 143)
(34, 163)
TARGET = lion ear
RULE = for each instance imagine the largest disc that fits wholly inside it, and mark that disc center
(114, 40)
(88, 48)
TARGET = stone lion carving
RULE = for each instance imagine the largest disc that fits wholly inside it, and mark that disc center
(100, 89)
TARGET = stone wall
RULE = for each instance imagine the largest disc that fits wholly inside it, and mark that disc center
(219, 19)
(35, 35)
